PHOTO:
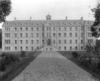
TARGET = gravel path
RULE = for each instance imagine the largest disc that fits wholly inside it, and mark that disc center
(51, 66)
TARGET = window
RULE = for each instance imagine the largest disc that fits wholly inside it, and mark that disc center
(42, 41)
(81, 48)
(53, 28)
(26, 48)
(70, 48)
(70, 41)
(53, 41)
(32, 29)
(59, 48)
(47, 28)
(81, 41)
(75, 28)
(32, 35)
(20, 41)
(59, 34)
(37, 29)
(20, 29)
(15, 34)
(54, 35)
(37, 34)
(47, 34)
(76, 48)
(81, 34)
(26, 29)
(21, 35)
(7, 34)
(7, 48)
(15, 48)
(7, 41)
(65, 28)
(15, 29)
(26, 34)
(37, 41)
(32, 41)
(88, 28)
(7, 29)
(81, 28)
(89, 34)
(64, 41)
(70, 28)
(59, 41)
(64, 34)
(65, 48)
(75, 34)
(26, 41)
(21, 48)
(70, 34)
(15, 41)
(90, 40)
(59, 28)
(32, 48)
(75, 41)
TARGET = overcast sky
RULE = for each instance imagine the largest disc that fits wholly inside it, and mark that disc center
(58, 9)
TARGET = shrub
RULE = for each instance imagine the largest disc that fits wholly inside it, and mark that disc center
(23, 54)
(7, 59)
(98, 66)
(2, 65)
(75, 54)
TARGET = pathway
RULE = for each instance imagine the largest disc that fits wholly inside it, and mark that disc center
(51, 66)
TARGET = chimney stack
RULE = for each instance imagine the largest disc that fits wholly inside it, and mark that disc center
(15, 18)
(30, 18)
(66, 17)
(81, 18)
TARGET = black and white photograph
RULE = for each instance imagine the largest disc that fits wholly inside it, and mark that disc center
(49, 40)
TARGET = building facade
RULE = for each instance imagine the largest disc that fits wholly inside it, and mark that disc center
(47, 35)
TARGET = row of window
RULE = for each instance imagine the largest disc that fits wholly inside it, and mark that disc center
(32, 48)
(37, 41)
(70, 41)
(54, 41)
(47, 28)
(48, 34)
(71, 48)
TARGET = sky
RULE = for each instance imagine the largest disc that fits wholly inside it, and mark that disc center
(58, 9)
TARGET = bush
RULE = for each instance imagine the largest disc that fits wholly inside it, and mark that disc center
(2, 65)
(98, 66)
(7, 59)
(75, 54)
(23, 54)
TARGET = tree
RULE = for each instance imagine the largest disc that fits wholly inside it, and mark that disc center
(95, 28)
(5, 9)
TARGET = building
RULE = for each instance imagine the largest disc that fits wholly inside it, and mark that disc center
(64, 35)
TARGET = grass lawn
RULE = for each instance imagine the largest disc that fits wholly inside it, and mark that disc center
(70, 57)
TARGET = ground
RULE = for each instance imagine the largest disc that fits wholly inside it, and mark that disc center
(51, 66)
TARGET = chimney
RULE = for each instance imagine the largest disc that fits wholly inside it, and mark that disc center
(30, 18)
(81, 18)
(15, 18)
(66, 17)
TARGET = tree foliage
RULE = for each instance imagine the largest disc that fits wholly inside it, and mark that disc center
(96, 26)
(5, 9)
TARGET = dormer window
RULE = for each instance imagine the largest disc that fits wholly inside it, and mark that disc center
(48, 17)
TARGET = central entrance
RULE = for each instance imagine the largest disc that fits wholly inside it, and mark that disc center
(49, 42)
